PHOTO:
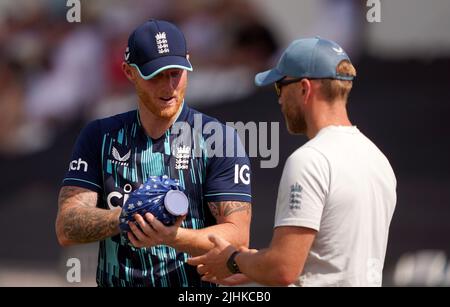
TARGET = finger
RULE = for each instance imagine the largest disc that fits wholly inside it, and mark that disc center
(202, 269)
(154, 222)
(215, 280)
(133, 240)
(142, 223)
(235, 280)
(179, 220)
(211, 279)
(145, 227)
(194, 261)
(137, 232)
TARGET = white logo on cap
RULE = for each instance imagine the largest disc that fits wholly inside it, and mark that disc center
(161, 42)
(338, 50)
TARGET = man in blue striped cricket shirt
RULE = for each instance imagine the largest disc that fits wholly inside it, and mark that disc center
(164, 136)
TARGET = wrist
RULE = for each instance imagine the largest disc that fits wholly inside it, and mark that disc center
(232, 264)
(115, 220)
(174, 242)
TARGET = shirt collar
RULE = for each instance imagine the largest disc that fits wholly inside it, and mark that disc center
(181, 116)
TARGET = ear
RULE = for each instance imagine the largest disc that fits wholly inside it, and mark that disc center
(306, 89)
(128, 71)
(188, 56)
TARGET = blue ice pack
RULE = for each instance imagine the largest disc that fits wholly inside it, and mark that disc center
(161, 196)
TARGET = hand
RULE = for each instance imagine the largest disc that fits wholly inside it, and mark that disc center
(213, 264)
(233, 280)
(152, 232)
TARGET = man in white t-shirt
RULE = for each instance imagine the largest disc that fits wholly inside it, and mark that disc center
(337, 193)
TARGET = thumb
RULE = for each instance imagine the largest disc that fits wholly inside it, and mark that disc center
(179, 220)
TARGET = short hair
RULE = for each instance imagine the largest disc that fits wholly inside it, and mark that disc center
(333, 89)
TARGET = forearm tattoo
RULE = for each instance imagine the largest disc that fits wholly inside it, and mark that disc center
(225, 208)
(82, 221)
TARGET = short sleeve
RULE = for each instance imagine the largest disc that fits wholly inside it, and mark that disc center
(303, 189)
(228, 177)
(84, 168)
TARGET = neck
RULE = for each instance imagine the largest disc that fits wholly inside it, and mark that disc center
(153, 125)
(324, 114)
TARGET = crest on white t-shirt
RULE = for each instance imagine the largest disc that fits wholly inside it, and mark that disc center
(295, 196)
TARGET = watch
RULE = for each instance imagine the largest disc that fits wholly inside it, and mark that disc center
(232, 265)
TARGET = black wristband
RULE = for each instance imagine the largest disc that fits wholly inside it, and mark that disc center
(232, 265)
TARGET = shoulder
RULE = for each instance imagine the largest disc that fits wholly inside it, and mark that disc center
(211, 125)
(309, 164)
(307, 155)
(96, 129)
(205, 119)
(116, 122)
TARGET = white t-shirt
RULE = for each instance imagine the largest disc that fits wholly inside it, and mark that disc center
(340, 184)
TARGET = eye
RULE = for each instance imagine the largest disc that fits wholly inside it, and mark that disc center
(175, 73)
(157, 77)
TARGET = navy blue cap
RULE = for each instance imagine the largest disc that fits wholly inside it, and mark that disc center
(307, 58)
(157, 45)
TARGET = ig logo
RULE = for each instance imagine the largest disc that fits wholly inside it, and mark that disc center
(242, 174)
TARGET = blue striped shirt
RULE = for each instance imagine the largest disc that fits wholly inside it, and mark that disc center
(114, 156)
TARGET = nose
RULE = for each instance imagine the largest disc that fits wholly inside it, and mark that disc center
(172, 78)
(173, 82)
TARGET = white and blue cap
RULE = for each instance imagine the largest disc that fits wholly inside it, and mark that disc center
(314, 58)
(157, 45)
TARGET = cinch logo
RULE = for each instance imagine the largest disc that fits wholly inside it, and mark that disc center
(127, 189)
(76, 165)
(239, 174)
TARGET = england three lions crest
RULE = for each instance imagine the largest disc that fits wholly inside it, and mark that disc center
(182, 155)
